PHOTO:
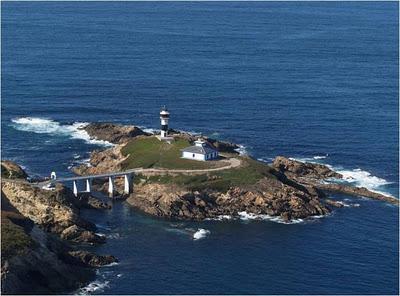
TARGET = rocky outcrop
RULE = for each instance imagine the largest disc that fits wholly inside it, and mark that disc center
(11, 170)
(294, 168)
(113, 133)
(80, 235)
(269, 196)
(312, 175)
(357, 191)
(53, 210)
(102, 161)
(87, 201)
(34, 261)
(85, 258)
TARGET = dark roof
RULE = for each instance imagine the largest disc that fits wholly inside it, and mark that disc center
(199, 150)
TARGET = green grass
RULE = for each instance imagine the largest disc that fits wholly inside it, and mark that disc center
(251, 172)
(14, 240)
(149, 152)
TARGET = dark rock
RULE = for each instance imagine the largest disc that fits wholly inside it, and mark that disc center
(80, 235)
(113, 133)
(86, 258)
(10, 170)
(334, 203)
(303, 169)
(357, 191)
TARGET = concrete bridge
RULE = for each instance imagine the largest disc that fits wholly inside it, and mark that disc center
(88, 180)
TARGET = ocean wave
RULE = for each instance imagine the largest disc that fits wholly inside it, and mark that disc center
(111, 264)
(200, 233)
(219, 218)
(362, 178)
(148, 129)
(241, 150)
(320, 156)
(48, 126)
(94, 287)
(244, 216)
(313, 159)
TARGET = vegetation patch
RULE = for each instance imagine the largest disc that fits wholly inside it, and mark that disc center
(248, 174)
(14, 239)
(149, 152)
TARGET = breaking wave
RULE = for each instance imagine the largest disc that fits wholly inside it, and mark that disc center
(94, 287)
(245, 216)
(356, 177)
(241, 150)
(362, 178)
(47, 126)
(313, 159)
(200, 233)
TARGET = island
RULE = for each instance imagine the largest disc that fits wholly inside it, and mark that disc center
(43, 232)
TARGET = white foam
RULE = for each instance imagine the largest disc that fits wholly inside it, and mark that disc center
(201, 233)
(111, 264)
(241, 150)
(266, 160)
(251, 216)
(362, 178)
(356, 177)
(313, 159)
(320, 156)
(51, 127)
(94, 287)
(219, 218)
(149, 130)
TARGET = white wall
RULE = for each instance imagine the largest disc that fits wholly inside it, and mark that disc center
(193, 156)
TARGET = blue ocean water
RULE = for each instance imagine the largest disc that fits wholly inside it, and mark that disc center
(315, 81)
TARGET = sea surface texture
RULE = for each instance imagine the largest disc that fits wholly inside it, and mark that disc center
(313, 81)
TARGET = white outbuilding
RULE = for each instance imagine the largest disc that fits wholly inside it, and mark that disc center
(200, 151)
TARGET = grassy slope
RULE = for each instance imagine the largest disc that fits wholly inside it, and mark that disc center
(149, 152)
(251, 172)
(14, 239)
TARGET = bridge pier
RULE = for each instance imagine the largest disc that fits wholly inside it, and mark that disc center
(75, 187)
(89, 185)
(128, 183)
(111, 187)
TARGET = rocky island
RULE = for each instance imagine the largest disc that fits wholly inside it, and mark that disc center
(43, 232)
(172, 187)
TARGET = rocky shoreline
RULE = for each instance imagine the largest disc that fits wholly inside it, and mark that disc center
(42, 233)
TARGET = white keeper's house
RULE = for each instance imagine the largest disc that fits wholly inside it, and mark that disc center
(200, 151)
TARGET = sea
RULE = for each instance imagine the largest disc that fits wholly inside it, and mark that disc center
(313, 81)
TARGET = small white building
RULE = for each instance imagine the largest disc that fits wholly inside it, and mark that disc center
(200, 151)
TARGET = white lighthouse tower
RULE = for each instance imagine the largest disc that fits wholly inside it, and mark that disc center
(164, 117)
